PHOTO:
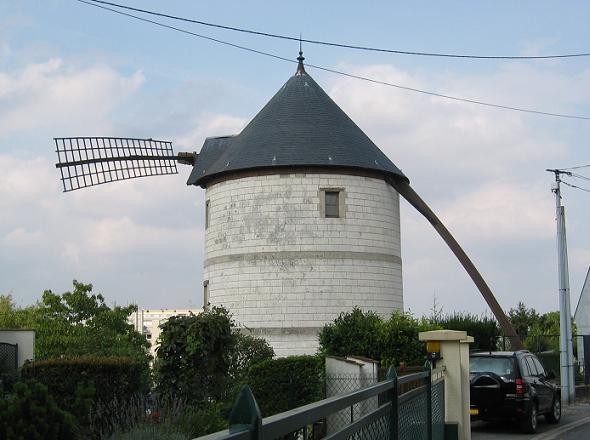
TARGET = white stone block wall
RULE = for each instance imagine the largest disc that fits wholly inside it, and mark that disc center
(284, 270)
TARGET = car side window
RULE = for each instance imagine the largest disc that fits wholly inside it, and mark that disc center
(532, 367)
(539, 366)
(526, 368)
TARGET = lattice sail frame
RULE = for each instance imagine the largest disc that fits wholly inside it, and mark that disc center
(90, 161)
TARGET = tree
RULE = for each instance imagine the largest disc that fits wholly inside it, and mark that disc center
(249, 351)
(523, 319)
(201, 357)
(77, 323)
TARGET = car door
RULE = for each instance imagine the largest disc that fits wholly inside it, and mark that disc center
(537, 384)
(545, 387)
(530, 375)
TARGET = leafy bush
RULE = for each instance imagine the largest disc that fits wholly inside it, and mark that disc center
(193, 359)
(206, 419)
(81, 385)
(353, 333)
(248, 351)
(399, 336)
(202, 357)
(485, 330)
(286, 383)
(367, 334)
(110, 377)
(155, 419)
(31, 413)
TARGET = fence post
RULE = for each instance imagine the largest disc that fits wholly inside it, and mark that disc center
(394, 417)
(245, 414)
(454, 356)
(428, 379)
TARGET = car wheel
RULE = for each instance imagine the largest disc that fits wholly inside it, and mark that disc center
(529, 424)
(555, 414)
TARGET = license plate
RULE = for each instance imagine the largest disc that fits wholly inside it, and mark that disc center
(474, 411)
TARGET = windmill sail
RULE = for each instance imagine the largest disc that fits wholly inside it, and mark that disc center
(90, 161)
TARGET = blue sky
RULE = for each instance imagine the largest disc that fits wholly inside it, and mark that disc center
(69, 69)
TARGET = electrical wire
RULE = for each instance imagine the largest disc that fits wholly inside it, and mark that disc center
(579, 176)
(577, 167)
(342, 45)
(350, 75)
(575, 186)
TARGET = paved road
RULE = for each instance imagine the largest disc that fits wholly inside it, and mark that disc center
(574, 425)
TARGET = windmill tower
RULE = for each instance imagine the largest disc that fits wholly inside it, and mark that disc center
(302, 214)
(301, 224)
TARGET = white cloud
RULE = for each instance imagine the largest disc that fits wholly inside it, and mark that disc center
(501, 211)
(426, 134)
(123, 235)
(22, 237)
(54, 96)
(209, 125)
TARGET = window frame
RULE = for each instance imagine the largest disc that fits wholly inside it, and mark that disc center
(341, 199)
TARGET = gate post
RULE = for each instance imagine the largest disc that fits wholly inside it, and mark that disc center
(428, 384)
(245, 414)
(394, 416)
(454, 352)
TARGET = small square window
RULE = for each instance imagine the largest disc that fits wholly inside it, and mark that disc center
(332, 204)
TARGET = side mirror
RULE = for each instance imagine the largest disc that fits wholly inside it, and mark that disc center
(551, 375)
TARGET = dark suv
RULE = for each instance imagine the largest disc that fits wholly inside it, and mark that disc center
(512, 385)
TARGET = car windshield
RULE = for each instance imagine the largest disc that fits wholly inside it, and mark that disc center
(486, 364)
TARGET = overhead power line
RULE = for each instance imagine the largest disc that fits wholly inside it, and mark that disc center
(577, 167)
(346, 46)
(579, 176)
(326, 69)
(575, 186)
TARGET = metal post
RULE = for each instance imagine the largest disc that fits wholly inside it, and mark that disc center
(428, 384)
(245, 414)
(394, 419)
(565, 325)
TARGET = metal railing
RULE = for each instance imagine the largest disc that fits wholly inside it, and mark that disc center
(410, 407)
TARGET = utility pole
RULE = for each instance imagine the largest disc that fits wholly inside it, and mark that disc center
(566, 355)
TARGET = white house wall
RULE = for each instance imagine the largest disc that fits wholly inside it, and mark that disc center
(284, 270)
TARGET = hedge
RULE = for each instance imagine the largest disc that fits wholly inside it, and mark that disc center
(286, 383)
(91, 387)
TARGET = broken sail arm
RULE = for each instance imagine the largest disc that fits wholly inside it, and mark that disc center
(90, 161)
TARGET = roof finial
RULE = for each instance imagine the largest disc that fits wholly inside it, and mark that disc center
(300, 58)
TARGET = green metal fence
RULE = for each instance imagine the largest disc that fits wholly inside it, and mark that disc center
(410, 407)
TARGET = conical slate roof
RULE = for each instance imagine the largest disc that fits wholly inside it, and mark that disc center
(299, 127)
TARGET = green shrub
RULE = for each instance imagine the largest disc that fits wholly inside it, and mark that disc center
(202, 358)
(366, 334)
(399, 336)
(81, 385)
(141, 418)
(31, 413)
(485, 330)
(206, 419)
(111, 377)
(286, 383)
(193, 359)
(353, 333)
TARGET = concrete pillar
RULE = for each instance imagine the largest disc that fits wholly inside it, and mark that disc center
(454, 350)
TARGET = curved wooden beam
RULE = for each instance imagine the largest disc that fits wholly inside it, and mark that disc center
(408, 193)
